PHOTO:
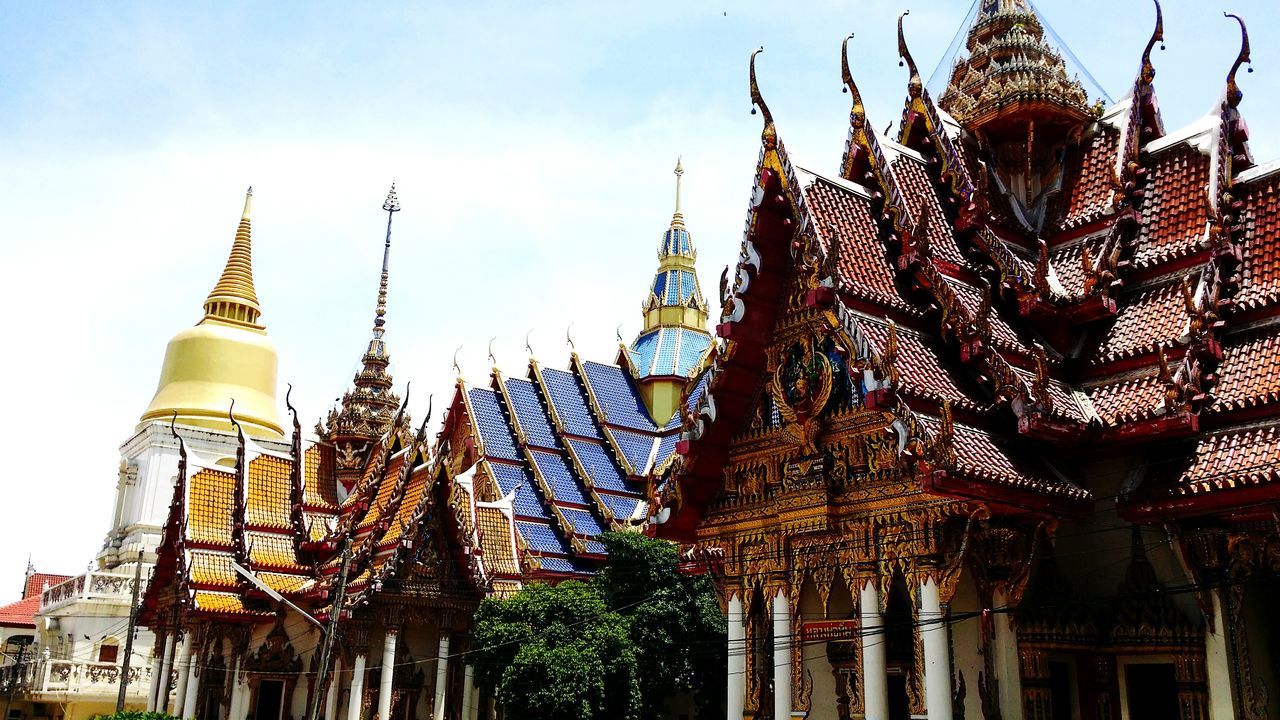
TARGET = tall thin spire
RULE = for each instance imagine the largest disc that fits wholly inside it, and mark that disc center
(368, 407)
(233, 299)
(677, 218)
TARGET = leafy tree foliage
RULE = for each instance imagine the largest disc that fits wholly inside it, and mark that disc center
(556, 652)
(676, 625)
(616, 648)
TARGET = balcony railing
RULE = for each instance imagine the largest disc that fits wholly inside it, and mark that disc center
(68, 676)
(89, 586)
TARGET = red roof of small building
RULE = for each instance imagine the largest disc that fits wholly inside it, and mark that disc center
(21, 614)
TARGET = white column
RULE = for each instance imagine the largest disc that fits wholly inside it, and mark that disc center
(331, 695)
(388, 674)
(468, 690)
(442, 675)
(737, 661)
(781, 656)
(157, 657)
(1217, 664)
(875, 677)
(1008, 667)
(237, 693)
(937, 653)
(193, 687)
(180, 668)
(357, 689)
(166, 667)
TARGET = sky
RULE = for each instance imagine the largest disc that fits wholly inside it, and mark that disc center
(532, 145)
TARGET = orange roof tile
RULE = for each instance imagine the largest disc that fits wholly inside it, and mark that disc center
(209, 507)
(273, 550)
(209, 567)
(917, 190)
(319, 484)
(923, 373)
(1066, 260)
(1230, 460)
(267, 501)
(1128, 399)
(495, 540)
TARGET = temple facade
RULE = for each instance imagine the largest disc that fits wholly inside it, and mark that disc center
(991, 425)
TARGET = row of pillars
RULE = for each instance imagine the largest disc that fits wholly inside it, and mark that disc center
(875, 678)
(188, 687)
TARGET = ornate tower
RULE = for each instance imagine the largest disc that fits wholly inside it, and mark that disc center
(675, 337)
(1014, 95)
(370, 405)
(226, 356)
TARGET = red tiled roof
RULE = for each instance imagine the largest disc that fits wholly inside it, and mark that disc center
(1129, 399)
(1250, 372)
(22, 613)
(1261, 276)
(844, 220)
(1066, 262)
(1148, 319)
(917, 191)
(1087, 193)
(924, 374)
(983, 456)
(1232, 460)
(1175, 209)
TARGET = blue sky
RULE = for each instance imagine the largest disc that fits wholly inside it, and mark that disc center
(533, 144)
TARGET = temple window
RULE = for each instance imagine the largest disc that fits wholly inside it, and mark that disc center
(108, 650)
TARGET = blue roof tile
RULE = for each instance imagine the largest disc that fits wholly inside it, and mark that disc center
(618, 395)
(621, 507)
(541, 537)
(555, 469)
(569, 403)
(636, 447)
(584, 523)
(665, 448)
(529, 411)
(692, 346)
(599, 465)
(494, 432)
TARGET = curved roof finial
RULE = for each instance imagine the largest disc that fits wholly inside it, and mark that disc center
(568, 339)
(492, 360)
(1148, 69)
(915, 85)
(456, 367)
(770, 133)
(1234, 94)
(858, 113)
(527, 345)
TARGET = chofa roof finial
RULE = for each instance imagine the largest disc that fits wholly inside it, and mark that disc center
(858, 113)
(770, 133)
(1148, 69)
(915, 86)
(1234, 94)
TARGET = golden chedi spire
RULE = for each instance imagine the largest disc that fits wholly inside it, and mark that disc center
(226, 356)
(233, 298)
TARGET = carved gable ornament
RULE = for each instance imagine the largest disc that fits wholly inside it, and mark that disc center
(801, 384)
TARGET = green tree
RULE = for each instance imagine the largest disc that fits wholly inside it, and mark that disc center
(556, 653)
(675, 623)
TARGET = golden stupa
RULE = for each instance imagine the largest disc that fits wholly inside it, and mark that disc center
(226, 356)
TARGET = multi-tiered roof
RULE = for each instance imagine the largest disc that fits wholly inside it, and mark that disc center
(1114, 286)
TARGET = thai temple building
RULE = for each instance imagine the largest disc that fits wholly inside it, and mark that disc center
(375, 529)
(988, 427)
(992, 429)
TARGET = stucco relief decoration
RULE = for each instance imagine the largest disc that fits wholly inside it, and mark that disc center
(801, 387)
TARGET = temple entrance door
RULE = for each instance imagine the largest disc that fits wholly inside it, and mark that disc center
(270, 705)
(1151, 691)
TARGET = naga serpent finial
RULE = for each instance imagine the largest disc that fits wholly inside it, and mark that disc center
(431, 401)
(492, 360)
(568, 339)
(1149, 70)
(231, 415)
(915, 86)
(457, 368)
(770, 133)
(618, 332)
(528, 346)
(1233, 90)
(858, 113)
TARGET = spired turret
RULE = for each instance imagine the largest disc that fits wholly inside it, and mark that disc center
(674, 339)
(226, 356)
(1013, 92)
